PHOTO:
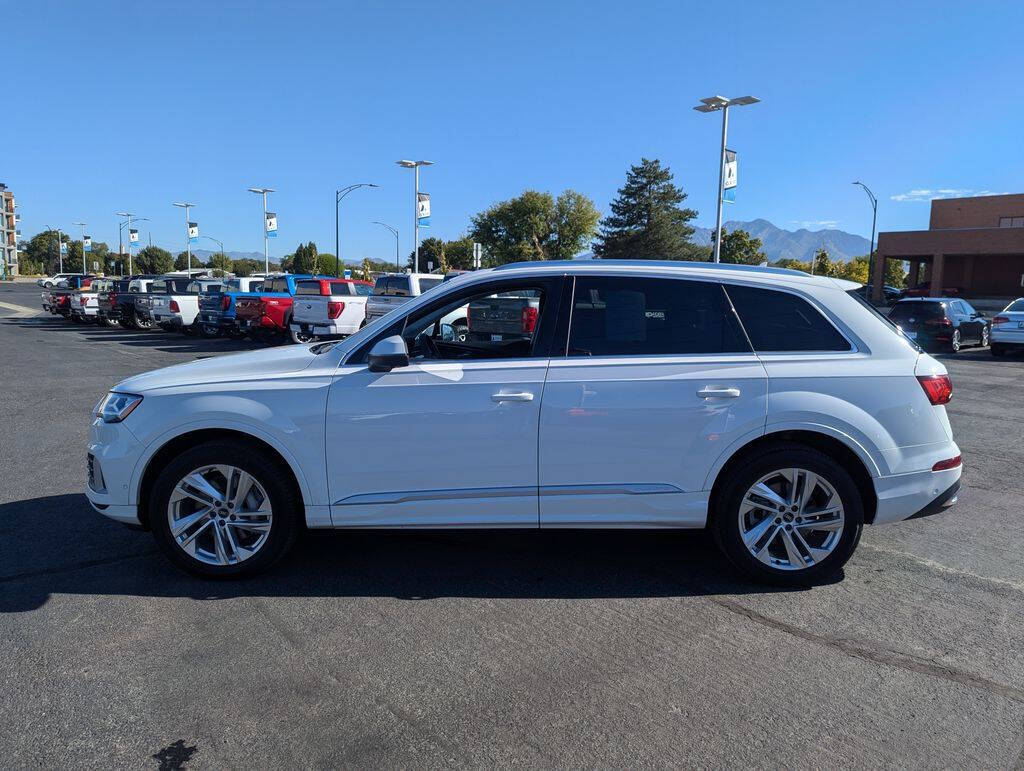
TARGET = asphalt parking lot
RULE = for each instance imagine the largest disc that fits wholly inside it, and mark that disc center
(499, 648)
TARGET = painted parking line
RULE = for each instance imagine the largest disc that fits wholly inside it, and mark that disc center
(20, 310)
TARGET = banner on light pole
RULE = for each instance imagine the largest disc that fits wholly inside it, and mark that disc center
(271, 225)
(729, 194)
(193, 232)
(478, 255)
(87, 243)
(133, 237)
(423, 210)
(63, 247)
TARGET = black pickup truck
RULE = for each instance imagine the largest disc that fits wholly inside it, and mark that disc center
(117, 306)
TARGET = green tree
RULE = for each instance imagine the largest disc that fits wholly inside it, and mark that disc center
(246, 267)
(327, 265)
(181, 261)
(304, 260)
(855, 269)
(647, 219)
(41, 251)
(153, 259)
(535, 226)
(792, 264)
(739, 247)
(895, 274)
(822, 264)
(220, 262)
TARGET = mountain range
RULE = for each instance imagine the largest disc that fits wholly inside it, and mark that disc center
(797, 244)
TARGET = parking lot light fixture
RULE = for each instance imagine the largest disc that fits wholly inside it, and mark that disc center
(876, 291)
(395, 231)
(415, 166)
(714, 104)
(84, 225)
(188, 241)
(338, 195)
(266, 246)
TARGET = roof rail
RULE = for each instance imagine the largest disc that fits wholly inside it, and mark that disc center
(655, 264)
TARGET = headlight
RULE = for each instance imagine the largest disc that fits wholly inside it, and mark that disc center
(115, 407)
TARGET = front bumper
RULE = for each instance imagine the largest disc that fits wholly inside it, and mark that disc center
(115, 452)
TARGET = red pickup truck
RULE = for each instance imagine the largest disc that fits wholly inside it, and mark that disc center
(267, 314)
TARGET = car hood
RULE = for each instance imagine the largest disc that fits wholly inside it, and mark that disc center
(254, 365)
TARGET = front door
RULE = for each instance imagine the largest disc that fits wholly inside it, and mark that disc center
(450, 439)
(658, 381)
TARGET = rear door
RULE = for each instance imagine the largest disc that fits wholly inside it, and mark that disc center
(656, 382)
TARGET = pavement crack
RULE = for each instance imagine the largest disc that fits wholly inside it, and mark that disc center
(879, 654)
(938, 567)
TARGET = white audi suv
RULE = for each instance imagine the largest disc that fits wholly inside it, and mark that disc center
(774, 408)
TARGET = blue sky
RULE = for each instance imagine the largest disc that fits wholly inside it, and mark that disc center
(134, 105)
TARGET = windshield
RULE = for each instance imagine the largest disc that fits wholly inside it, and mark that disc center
(904, 311)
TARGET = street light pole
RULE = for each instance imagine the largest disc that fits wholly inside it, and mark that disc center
(60, 256)
(120, 234)
(713, 104)
(338, 195)
(83, 224)
(266, 246)
(415, 166)
(395, 231)
(876, 291)
(188, 241)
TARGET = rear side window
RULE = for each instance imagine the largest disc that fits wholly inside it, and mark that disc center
(341, 287)
(277, 285)
(426, 284)
(398, 286)
(649, 316)
(307, 287)
(780, 321)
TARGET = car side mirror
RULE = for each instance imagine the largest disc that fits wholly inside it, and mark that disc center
(387, 354)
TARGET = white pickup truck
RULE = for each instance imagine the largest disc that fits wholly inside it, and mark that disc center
(324, 308)
(85, 303)
(175, 302)
(393, 289)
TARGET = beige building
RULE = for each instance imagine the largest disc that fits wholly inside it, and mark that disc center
(8, 233)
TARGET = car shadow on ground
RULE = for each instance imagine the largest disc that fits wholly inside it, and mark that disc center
(157, 339)
(59, 545)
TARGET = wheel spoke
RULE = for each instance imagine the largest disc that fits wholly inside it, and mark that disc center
(196, 486)
(810, 481)
(754, 534)
(792, 551)
(218, 540)
(190, 541)
(761, 494)
(259, 527)
(185, 523)
(764, 553)
(242, 485)
(831, 521)
(815, 554)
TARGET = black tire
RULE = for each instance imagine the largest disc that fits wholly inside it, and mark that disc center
(302, 338)
(270, 472)
(140, 323)
(997, 350)
(725, 526)
(234, 333)
(209, 331)
(984, 336)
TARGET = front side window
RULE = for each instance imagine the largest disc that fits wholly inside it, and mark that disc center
(780, 321)
(617, 316)
(488, 325)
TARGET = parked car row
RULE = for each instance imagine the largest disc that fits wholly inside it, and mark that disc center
(263, 308)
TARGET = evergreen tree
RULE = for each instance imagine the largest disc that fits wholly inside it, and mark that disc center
(153, 259)
(739, 247)
(647, 220)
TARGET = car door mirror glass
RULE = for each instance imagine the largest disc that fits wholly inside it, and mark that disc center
(387, 354)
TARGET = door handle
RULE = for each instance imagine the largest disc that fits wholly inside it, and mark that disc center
(716, 392)
(516, 396)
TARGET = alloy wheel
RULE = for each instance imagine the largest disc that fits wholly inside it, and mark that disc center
(955, 344)
(984, 336)
(791, 519)
(220, 515)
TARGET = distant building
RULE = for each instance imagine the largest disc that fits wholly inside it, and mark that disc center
(974, 246)
(8, 233)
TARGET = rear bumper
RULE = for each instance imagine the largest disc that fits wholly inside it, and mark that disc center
(918, 494)
(323, 329)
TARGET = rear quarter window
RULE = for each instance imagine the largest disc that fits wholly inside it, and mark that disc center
(781, 321)
(307, 287)
(426, 284)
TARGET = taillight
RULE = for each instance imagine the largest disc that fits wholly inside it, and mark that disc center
(1000, 320)
(112, 298)
(173, 307)
(938, 388)
(949, 463)
(225, 303)
(942, 322)
(334, 309)
(529, 319)
(261, 308)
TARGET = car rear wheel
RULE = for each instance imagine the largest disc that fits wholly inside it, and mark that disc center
(790, 516)
(220, 510)
(954, 344)
(209, 330)
(984, 336)
(140, 323)
(300, 338)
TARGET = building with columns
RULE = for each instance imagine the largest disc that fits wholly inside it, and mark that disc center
(8, 234)
(973, 247)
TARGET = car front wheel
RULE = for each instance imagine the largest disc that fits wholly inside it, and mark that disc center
(954, 344)
(984, 336)
(790, 516)
(220, 510)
